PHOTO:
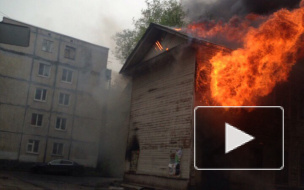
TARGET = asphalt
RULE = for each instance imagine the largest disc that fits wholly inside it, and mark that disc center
(28, 181)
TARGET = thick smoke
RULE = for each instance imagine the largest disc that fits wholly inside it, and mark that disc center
(198, 10)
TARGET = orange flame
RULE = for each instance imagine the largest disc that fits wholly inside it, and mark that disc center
(268, 54)
(159, 46)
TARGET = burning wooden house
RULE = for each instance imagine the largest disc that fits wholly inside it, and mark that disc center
(162, 67)
(169, 70)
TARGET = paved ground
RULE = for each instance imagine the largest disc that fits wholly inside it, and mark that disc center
(29, 181)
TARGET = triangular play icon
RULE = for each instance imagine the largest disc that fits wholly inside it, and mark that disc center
(235, 138)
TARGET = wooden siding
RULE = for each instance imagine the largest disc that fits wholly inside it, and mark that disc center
(161, 115)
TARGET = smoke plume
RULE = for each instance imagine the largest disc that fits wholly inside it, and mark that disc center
(200, 10)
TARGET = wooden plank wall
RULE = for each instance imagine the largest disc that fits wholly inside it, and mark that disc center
(161, 115)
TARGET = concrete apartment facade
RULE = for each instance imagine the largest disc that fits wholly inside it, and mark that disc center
(52, 97)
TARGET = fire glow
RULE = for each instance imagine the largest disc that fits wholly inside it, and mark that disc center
(159, 47)
(267, 55)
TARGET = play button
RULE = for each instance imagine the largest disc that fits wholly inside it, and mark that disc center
(238, 138)
(235, 138)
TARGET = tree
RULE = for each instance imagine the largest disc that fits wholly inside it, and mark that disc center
(164, 12)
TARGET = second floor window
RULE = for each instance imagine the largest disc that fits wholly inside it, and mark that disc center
(57, 149)
(32, 146)
(60, 123)
(67, 75)
(70, 52)
(36, 119)
(47, 46)
(44, 70)
(64, 99)
(40, 94)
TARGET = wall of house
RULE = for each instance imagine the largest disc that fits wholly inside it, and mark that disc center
(161, 120)
(19, 79)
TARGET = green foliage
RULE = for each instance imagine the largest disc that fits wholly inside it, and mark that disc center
(164, 12)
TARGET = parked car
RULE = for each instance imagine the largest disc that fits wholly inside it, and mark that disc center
(59, 166)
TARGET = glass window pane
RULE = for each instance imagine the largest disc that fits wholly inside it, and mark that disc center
(41, 68)
(38, 94)
(44, 94)
(69, 52)
(36, 146)
(47, 70)
(58, 123)
(39, 123)
(44, 45)
(66, 100)
(63, 123)
(33, 120)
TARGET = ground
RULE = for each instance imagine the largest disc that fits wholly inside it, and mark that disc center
(28, 181)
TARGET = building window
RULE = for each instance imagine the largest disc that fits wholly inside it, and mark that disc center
(60, 123)
(47, 46)
(64, 99)
(40, 94)
(32, 146)
(57, 149)
(36, 119)
(44, 70)
(67, 75)
(69, 52)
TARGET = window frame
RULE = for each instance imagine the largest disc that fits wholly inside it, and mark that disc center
(67, 52)
(37, 120)
(60, 125)
(57, 145)
(41, 95)
(67, 74)
(47, 47)
(32, 144)
(49, 72)
(64, 97)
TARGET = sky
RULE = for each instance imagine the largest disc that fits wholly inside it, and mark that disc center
(94, 21)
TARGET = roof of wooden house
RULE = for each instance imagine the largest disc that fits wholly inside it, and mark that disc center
(152, 35)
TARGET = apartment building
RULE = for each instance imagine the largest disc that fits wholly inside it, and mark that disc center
(52, 98)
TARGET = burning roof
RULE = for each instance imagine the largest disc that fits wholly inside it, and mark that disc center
(150, 39)
(266, 48)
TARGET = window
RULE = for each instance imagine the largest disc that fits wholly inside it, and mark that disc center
(47, 46)
(60, 123)
(69, 52)
(66, 75)
(44, 70)
(55, 162)
(32, 146)
(40, 94)
(64, 99)
(36, 119)
(57, 149)
(66, 162)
